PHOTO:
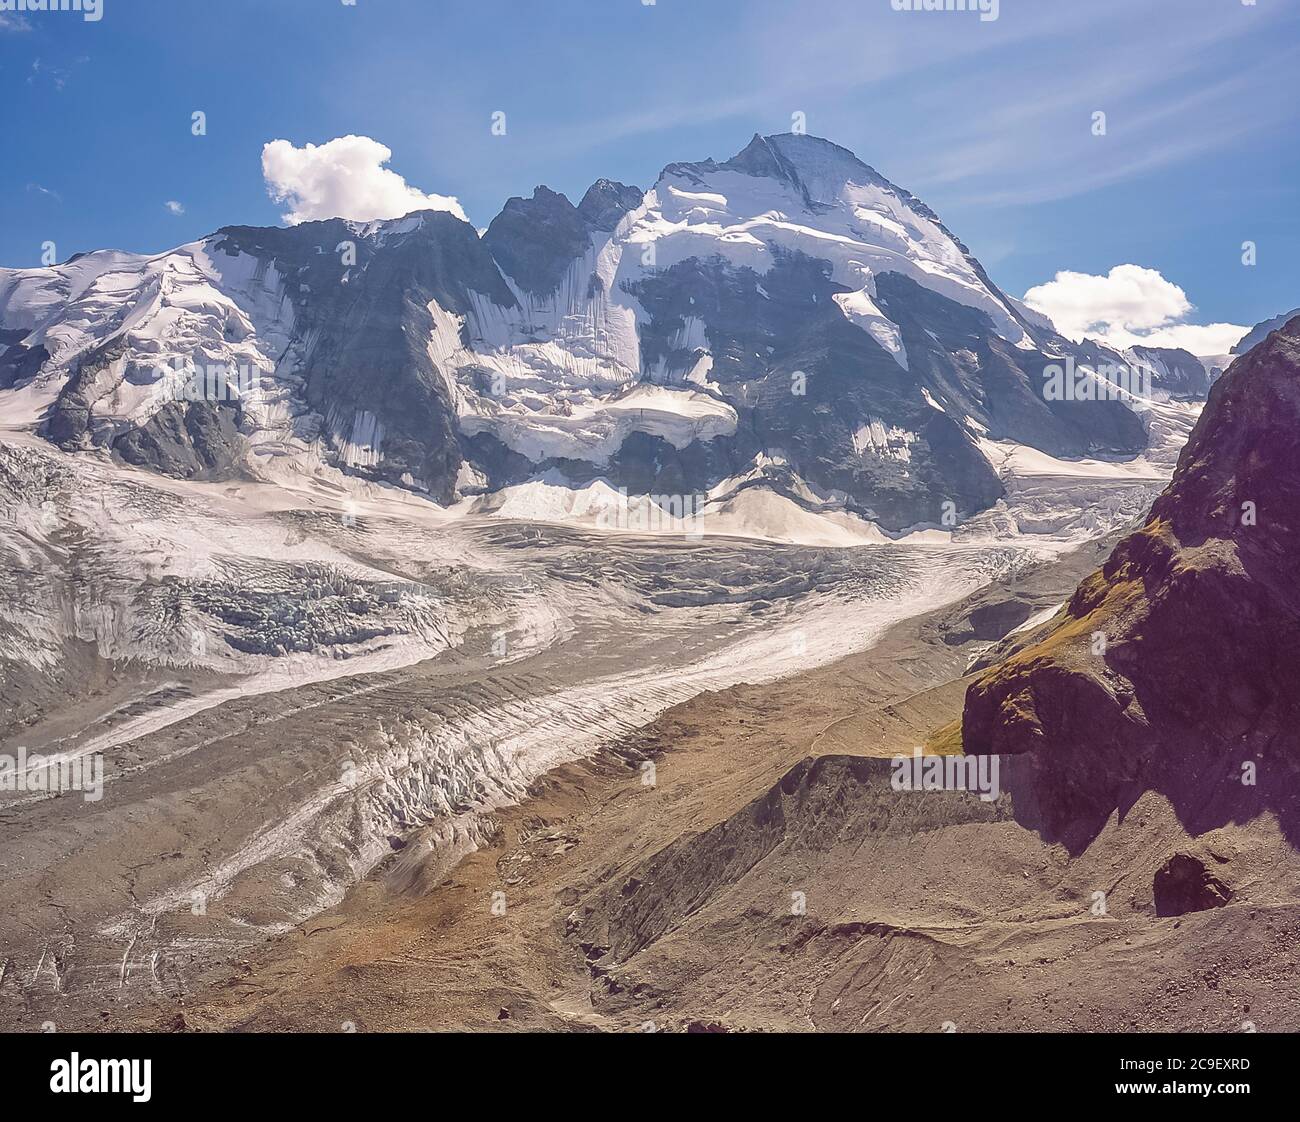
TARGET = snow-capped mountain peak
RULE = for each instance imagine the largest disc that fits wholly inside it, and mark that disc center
(804, 194)
(788, 303)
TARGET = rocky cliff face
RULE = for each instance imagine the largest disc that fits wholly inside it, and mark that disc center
(1174, 667)
(362, 328)
(1173, 371)
(788, 306)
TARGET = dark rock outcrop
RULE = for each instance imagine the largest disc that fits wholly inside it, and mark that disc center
(606, 202)
(535, 240)
(1183, 884)
(793, 334)
(1177, 372)
(1174, 668)
(191, 440)
(368, 354)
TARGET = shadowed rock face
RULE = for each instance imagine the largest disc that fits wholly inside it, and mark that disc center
(18, 361)
(534, 240)
(955, 350)
(1183, 884)
(195, 440)
(1174, 667)
(369, 353)
(606, 202)
(765, 330)
(1177, 372)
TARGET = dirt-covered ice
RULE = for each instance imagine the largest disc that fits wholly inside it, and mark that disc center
(287, 683)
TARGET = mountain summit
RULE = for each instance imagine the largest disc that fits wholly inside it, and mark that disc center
(787, 316)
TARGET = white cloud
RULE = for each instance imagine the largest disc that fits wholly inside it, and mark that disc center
(174, 207)
(1199, 339)
(1128, 306)
(343, 178)
(13, 23)
(1128, 297)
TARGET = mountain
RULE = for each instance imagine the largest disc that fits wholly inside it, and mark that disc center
(1174, 371)
(1262, 331)
(1174, 667)
(787, 319)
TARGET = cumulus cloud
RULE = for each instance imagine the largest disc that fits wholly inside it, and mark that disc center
(343, 178)
(174, 207)
(1130, 305)
(1129, 297)
(1198, 338)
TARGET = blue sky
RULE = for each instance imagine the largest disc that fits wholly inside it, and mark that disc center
(990, 122)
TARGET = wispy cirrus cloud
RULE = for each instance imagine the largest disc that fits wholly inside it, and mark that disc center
(55, 74)
(1007, 105)
(1028, 138)
(1150, 123)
